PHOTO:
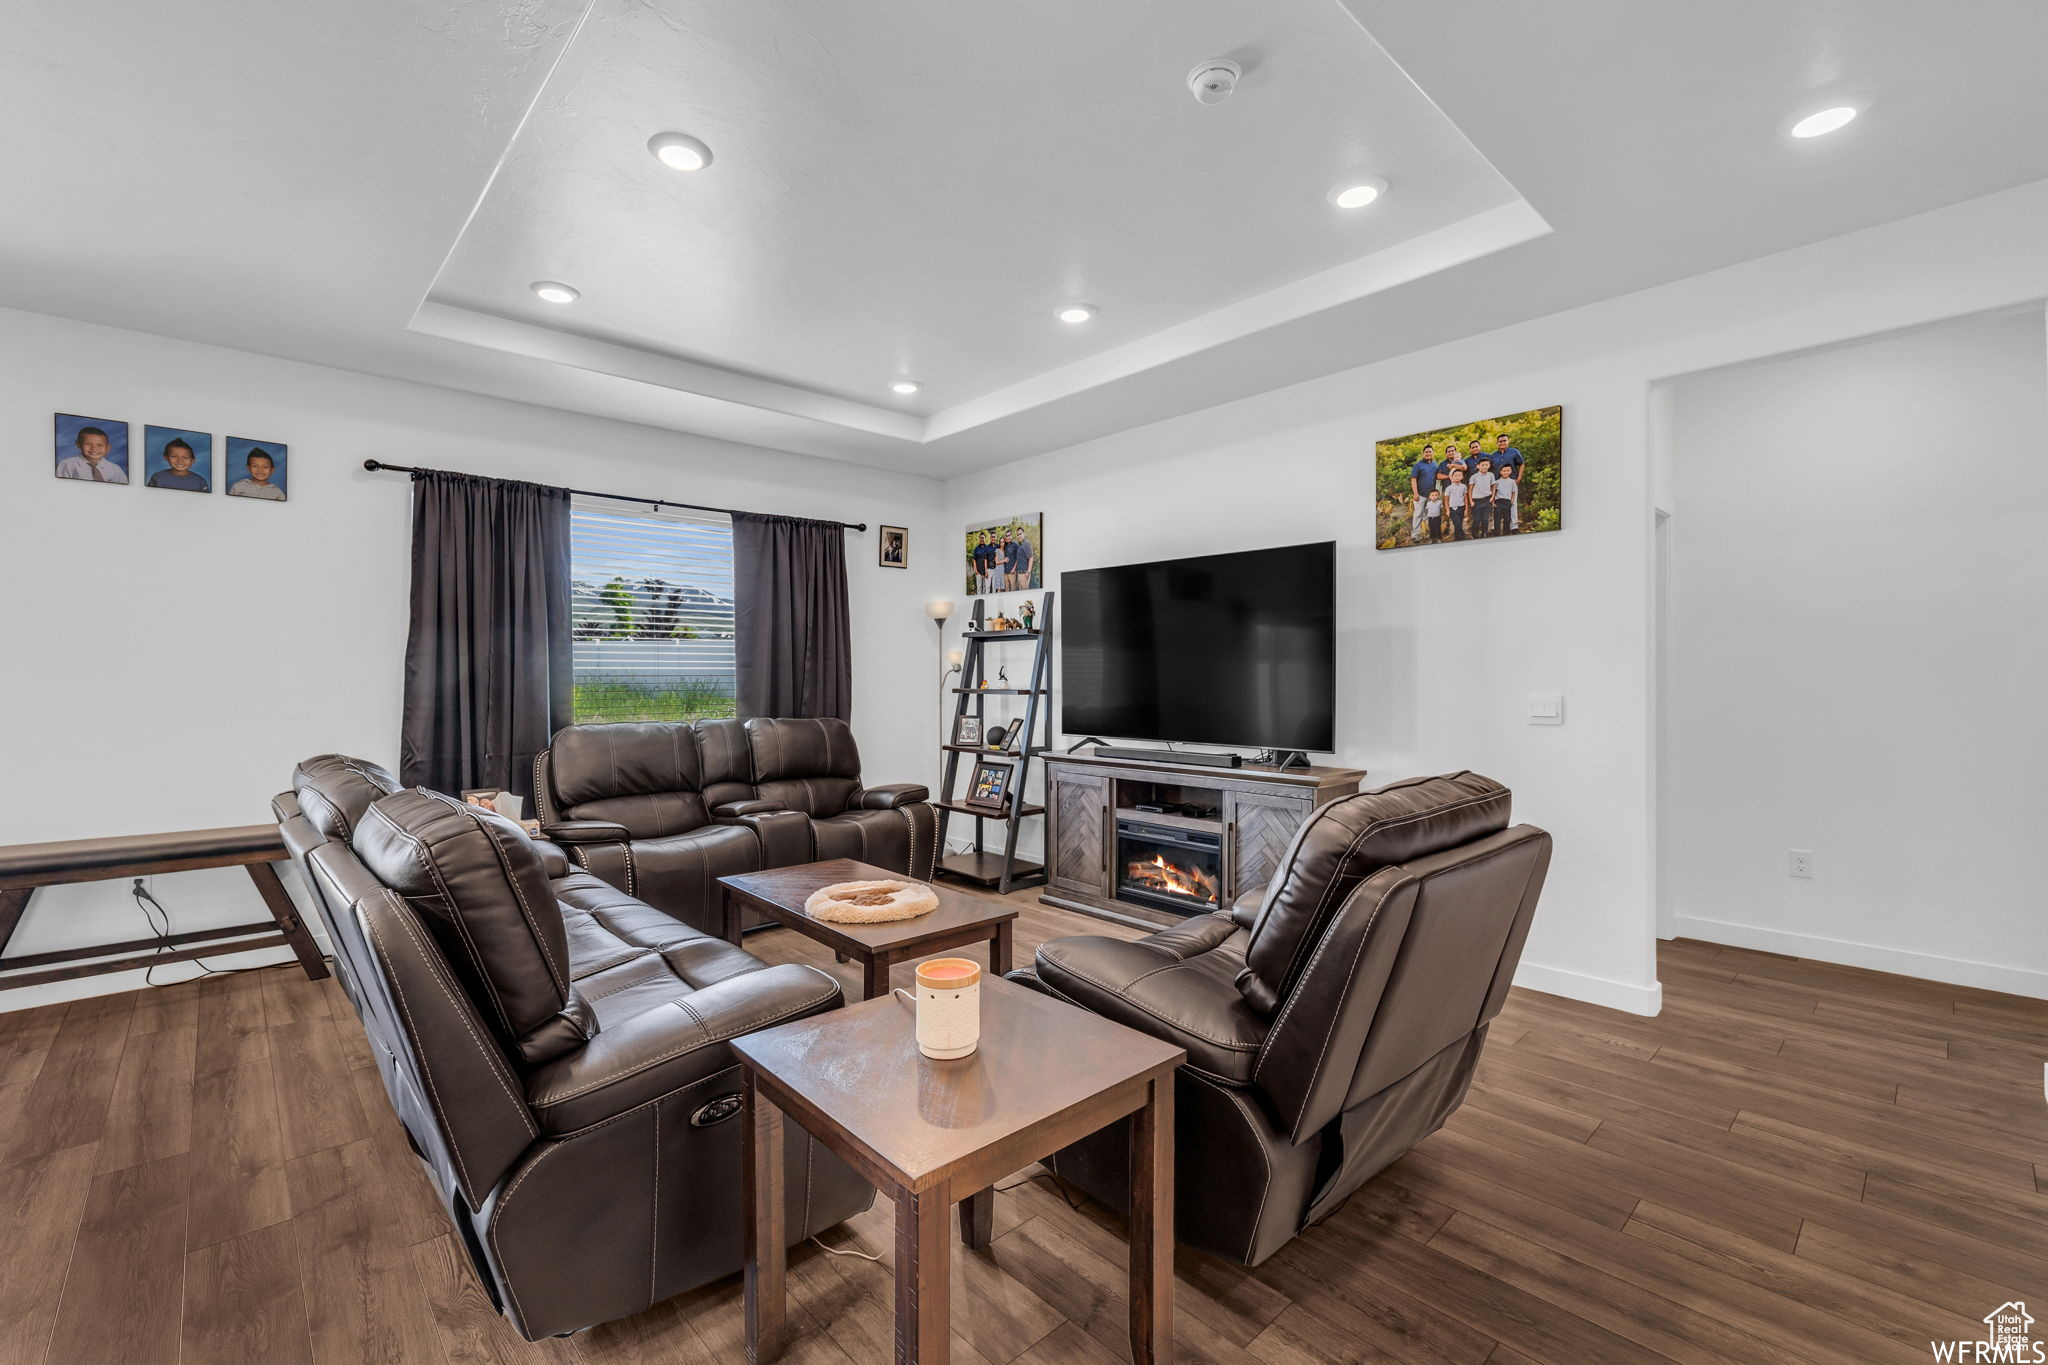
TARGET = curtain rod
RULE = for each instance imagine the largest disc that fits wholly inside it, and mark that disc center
(374, 465)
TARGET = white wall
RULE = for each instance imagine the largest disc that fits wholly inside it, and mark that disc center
(168, 657)
(1440, 646)
(1856, 656)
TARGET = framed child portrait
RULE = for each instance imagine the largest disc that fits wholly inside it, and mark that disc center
(255, 469)
(92, 449)
(175, 458)
(991, 786)
(894, 550)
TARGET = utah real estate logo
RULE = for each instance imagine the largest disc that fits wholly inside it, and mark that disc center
(2008, 1336)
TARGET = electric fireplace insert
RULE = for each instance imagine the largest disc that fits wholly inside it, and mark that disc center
(1165, 867)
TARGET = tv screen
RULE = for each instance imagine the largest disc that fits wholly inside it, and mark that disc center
(1217, 649)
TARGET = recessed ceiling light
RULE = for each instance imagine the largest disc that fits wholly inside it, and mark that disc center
(1074, 314)
(679, 151)
(906, 387)
(1825, 122)
(1356, 194)
(554, 291)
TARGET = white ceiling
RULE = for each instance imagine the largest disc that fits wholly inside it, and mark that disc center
(909, 189)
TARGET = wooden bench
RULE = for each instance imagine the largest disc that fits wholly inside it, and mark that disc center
(25, 867)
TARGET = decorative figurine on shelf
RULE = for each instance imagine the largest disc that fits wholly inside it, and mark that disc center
(1027, 611)
(984, 684)
(1002, 676)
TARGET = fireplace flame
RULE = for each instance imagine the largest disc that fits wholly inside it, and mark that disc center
(1160, 875)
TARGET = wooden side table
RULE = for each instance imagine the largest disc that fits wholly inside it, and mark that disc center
(960, 920)
(930, 1134)
(26, 867)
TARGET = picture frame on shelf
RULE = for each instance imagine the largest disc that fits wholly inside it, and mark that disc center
(967, 730)
(990, 789)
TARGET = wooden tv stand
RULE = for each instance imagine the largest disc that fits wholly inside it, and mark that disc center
(1258, 810)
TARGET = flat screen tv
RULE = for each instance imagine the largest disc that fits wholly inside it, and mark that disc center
(1234, 649)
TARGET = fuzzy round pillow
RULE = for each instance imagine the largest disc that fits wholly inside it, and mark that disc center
(870, 902)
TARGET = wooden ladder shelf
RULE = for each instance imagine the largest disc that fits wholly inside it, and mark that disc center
(1004, 871)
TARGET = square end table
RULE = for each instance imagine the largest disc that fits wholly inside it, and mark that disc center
(930, 1134)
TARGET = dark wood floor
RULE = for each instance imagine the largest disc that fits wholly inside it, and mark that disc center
(1795, 1161)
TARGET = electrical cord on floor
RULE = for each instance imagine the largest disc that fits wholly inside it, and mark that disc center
(153, 911)
(839, 1251)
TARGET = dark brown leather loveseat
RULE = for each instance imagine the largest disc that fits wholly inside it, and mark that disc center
(556, 1049)
(663, 810)
(1331, 1021)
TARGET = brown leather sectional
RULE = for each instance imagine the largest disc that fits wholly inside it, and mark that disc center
(1331, 1020)
(663, 810)
(556, 1048)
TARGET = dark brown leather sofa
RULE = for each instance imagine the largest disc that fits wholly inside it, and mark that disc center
(556, 1049)
(663, 810)
(1331, 1021)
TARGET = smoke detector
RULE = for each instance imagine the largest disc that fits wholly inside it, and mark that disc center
(1212, 81)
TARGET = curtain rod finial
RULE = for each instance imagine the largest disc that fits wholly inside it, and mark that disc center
(372, 465)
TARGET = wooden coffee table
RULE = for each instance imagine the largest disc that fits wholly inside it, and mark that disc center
(930, 1134)
(961, 919)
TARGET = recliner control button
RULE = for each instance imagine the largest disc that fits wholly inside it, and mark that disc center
(718, 1111)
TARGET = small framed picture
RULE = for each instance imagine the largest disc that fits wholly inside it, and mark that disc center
(966, 729)
(894, 551)
(255, 469)
(173, 457)
(991, 785)
(92, 449)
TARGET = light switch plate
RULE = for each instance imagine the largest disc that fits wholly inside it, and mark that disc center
(1546, 708)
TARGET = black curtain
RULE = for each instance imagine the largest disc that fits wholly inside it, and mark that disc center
(795, 653)
(488, 667)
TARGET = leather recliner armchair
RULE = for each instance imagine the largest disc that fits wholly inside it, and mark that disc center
(813, 767)
(1330, 1022)
(663, 810)
(556, 1049)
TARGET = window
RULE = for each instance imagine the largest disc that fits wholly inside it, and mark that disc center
(651, 602)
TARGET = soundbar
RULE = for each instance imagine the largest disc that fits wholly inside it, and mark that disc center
(1173, 756)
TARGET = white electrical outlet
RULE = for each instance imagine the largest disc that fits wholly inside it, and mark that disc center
(1802, 862)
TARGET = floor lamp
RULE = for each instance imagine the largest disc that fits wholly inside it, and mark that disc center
(940, 609)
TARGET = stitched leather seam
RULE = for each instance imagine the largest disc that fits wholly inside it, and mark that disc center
(540, 799)
(654, 1223)
(1372, 828)
(555, 974)
(433, 1092)
(1364, 937)
(1138, 1005)
(1259, 1213)
(462, 929)
(550, 1101)
(426, 1072)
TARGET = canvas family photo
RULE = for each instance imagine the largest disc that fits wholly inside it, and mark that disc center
(1503, 476)
(1006, 556)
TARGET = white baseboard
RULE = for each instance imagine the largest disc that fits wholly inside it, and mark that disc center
(1594, 990)
(1954, 971)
